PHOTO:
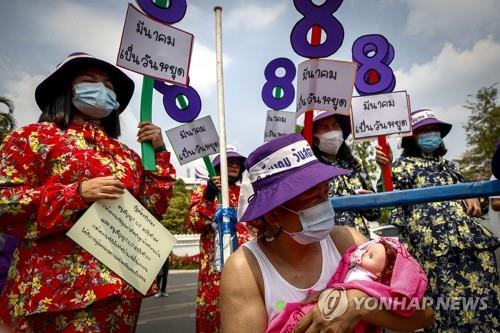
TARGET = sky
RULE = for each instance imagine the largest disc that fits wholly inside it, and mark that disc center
(445, 51)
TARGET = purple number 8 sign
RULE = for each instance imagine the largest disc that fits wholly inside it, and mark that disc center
(321, 16)
(170, 93)
(284, 82)
(170, 15)
(374, 53)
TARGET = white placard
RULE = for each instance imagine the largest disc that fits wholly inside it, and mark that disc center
(325, 85)
(155, 49)
(194, 140)
(382, 114)
(278, 124)
(126, 238)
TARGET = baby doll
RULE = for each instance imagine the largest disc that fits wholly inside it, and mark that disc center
(381, 268)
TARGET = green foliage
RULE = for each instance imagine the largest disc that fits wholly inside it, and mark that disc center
(483, 131)
(365, 153)
(175, 217)
(7, 121)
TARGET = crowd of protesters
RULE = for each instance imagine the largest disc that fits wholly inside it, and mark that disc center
(292, 241)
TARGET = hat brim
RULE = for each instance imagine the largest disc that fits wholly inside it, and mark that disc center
(288, 188)
(495, 163)
(343, 121)
(231, 154)
(61, 79)
(445, 128)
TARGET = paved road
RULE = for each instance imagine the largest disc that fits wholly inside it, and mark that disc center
(175, 313)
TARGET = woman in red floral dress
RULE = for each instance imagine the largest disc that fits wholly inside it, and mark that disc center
(50, 173)
(203, 206)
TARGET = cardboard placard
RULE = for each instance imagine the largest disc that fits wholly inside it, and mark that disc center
(126, 238)
(194, 140)
(382, 114)
(325, 85)
(279, 123)
(154, 49)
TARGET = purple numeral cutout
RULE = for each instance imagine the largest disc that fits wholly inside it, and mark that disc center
(170, 93)
(373, 53)
(317, 15)
(170, 15)
(284, 82)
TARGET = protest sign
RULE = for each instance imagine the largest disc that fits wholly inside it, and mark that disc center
(381, 114)
(155, 49)
(126, 238)
(194, 140)
(325, 85)
(279, 123)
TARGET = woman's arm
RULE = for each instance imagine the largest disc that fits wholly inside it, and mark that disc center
(242, 307)
(495, 204)
(201, 211)
(29, 209)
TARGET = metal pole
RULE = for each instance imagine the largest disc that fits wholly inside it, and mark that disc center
(226, 235)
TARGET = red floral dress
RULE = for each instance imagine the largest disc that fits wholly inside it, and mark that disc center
(41, 167)
(200, 221)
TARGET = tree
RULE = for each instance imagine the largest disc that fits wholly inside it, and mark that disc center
(483, 131)
(7, 121)
(174, 218)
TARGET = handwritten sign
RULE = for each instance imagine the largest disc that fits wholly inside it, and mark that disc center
(325, 85)
(154, 49)
(194, 140)
(382, 114)
(279, 123)
(126, 238)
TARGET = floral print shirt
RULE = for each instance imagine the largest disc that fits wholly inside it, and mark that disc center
(345, 185)
(432, 229)
(41, 167)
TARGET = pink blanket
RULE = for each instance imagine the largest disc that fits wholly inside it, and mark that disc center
(408, 284)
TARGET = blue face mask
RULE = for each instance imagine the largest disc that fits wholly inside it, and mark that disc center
(429, 142)
(94, 99)
(317, 223)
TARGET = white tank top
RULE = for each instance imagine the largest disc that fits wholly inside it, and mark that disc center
(277, 291)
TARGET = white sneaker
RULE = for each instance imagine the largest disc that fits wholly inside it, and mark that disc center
(157, 294)
(164, 294)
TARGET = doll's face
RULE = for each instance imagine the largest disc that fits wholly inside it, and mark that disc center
(373, 260)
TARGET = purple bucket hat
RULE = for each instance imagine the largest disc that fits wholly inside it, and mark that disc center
(280, 170)
(423, 117)
(61, 79)
(344, 121)
(230, 154)
(495, 162)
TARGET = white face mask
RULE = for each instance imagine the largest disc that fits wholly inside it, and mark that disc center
(330, 142)
(317, 223)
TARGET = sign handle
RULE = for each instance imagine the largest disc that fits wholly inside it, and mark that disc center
(147, 150)
(308, 117)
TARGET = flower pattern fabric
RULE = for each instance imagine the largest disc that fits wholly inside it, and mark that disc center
(41, 167)
(454, 249)
(345, 185)
(200, 221)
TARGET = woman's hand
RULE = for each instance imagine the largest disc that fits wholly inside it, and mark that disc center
(381, 158)
(335, 312)
(149, 132)
(101, 188)
(473, 207)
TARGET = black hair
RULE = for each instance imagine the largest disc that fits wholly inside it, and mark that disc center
(411, 149)
(61, 110)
